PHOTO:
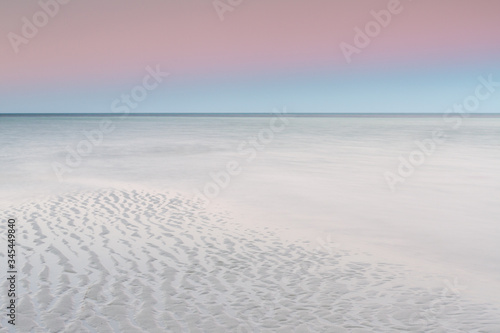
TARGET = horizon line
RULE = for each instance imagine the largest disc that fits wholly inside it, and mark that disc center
(242, 114)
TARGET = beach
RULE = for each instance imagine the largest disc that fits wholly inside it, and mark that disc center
(209, 224)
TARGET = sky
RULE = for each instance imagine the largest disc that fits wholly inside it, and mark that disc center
(342, 56)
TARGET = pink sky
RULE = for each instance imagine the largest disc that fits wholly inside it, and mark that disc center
(94, 40)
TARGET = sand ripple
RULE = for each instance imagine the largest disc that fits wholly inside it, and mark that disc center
(136, 261)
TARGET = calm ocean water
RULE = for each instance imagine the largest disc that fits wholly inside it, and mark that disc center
(325, 175)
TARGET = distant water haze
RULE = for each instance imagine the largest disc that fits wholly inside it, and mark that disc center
(311, 178)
